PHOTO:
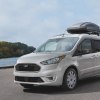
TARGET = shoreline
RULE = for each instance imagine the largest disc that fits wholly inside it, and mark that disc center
(5, 67)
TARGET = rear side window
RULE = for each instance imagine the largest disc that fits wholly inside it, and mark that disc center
(96, 45)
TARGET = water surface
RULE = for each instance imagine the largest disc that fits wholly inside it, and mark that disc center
(8, 62)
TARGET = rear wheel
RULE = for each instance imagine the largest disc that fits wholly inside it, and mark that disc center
(27, 85)
(70, 79)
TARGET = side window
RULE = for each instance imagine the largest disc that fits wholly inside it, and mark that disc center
(85, 47)
(96, 45)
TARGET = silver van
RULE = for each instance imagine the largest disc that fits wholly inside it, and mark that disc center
(62, 60)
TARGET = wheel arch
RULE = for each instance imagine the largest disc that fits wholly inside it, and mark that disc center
(74, 67)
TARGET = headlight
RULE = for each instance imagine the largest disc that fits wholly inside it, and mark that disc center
(53, 60)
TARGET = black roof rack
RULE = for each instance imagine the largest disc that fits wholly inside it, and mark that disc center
(85, 27)
(61, 35)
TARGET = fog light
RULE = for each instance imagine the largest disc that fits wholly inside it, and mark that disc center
(49, 78)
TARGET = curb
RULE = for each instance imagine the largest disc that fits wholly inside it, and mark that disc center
(5, 67)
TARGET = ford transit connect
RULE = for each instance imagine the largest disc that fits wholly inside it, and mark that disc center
(62, 60)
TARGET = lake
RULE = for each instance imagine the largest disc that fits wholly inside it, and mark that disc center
(8, 62)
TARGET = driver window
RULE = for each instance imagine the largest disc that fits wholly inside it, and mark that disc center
(84, 48)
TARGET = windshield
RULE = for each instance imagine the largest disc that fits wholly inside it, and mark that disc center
(58, 45)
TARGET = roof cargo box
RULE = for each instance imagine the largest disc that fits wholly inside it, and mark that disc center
(85, 27)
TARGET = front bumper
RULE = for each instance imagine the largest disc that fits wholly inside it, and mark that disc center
(49, 77)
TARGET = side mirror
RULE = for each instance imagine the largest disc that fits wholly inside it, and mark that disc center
(79, 52)
(86, 51)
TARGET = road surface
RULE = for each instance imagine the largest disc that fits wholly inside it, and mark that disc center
(88, 89)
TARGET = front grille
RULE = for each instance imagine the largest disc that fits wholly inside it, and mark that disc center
(28, 79)
(27, 67)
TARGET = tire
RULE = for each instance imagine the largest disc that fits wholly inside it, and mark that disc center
(30, 86)
(70, 79)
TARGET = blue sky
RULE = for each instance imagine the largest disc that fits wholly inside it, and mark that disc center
(34, 21)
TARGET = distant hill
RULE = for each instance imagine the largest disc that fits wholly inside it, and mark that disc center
(8, 49)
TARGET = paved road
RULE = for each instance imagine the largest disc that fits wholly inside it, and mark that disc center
(88, 89)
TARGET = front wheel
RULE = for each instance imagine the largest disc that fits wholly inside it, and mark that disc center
(70, 79)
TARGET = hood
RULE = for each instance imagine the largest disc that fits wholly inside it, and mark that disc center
(37, 57)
